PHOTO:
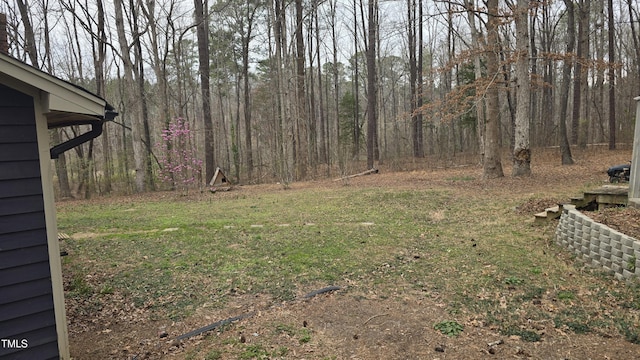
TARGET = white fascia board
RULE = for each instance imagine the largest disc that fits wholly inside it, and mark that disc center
(63, 96)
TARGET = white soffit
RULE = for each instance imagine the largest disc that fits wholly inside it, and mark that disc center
(63, 96)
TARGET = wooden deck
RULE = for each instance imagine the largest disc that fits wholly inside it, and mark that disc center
(608, 195)
(600, 198)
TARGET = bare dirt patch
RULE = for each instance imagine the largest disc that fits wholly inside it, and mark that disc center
(392, 321)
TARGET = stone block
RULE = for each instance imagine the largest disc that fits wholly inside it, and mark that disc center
(615, 236)
(606, 248)
(605, 254)
(595, 240)
(604, 231)
(604, 239)
(627, 241)
(627, 274)
(616, 254)
(628, 250)
(585, 250)
(606, 262)
(562, 234)
(629, 258)
(619, 276)
(616, 244)
(616, 268)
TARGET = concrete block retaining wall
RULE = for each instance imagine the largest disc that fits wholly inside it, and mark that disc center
(598, 244)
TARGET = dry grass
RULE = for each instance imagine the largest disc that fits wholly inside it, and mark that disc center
(410, 250)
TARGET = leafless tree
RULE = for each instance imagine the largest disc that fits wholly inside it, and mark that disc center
(522, 149)
(612, 76)
(492, 165)
(372, 88)
(565, 148)
(202, 30)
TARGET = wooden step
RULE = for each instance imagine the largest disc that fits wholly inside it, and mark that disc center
(583, 201)
(549, 214)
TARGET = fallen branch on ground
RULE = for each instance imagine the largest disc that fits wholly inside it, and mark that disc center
(368, 172)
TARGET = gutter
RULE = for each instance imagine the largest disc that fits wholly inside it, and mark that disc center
(96, 130)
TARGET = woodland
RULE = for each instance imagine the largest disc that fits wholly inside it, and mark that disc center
(275, 90)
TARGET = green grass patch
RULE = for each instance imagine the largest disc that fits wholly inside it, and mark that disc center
(525, 335)
(259, 351)
(449, 327)
(172, 257)
(565, 295)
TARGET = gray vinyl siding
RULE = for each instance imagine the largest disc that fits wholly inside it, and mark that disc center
(26, 300)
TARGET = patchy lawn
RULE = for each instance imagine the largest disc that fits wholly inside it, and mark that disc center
(431, 264)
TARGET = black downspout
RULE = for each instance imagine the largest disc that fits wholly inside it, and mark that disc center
(96, 130)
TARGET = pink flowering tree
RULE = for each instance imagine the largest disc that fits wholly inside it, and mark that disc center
(179, 164)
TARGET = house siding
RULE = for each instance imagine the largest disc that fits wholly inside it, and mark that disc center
(27, 317)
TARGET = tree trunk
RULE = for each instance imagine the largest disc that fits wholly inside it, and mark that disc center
(597, 86)
(312, 110)
(61, 168)
(246, 95)
(284, 128)
(492, 164)
(323, 133)
(537, 126)
(356, 87)
(636, 43)
(99, 55)
(420, 85)
(129, 84)
(371, 85)
(302, 123)
(612, 78)
(478, 44)
(583, 135)
(579, 115)
(565, 148)
(413, 72)
(336, 88)
(547, 107)
(159, 65)
(29, 37)
(202, 32)
(522, 150)
(142, 99)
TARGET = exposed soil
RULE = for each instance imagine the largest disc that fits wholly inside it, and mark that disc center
(366, 324)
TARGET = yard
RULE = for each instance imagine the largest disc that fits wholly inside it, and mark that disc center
(431, 264)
